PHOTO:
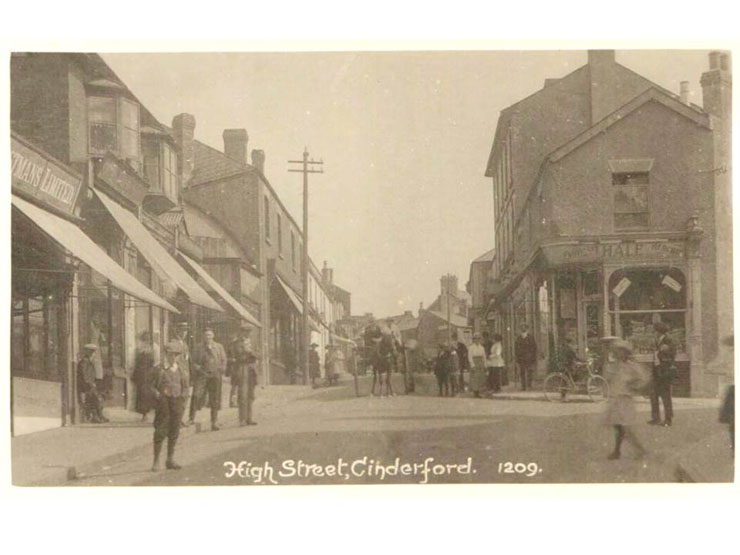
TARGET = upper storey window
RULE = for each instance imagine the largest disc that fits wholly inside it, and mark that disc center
(631, 191)
(114, 125)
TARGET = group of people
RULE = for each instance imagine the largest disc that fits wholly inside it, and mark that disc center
(184, 383)
(384, 353)
(483, 360)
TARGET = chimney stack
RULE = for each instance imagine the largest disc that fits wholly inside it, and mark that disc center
(603, 100)
(235, 145)
(258, 160)
(685, 92)
(326, 273)
(183, 128)
(716, 85)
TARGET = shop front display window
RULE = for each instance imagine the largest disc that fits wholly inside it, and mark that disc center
(35, 345)
(638, 299)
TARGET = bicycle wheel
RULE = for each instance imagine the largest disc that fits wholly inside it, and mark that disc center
(556, 387)
(597, 389)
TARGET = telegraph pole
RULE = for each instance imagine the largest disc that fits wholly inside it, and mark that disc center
(305, 335)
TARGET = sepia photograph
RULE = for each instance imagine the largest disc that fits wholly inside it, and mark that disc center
(371, 267)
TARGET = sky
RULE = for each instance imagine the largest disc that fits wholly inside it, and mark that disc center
(404, 137)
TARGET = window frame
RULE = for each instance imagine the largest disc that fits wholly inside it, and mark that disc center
(120, 128)
(648, 207)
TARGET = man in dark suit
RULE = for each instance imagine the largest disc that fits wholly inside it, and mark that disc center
(525, 352)
(664, 371)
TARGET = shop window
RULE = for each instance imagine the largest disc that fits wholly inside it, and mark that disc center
(114, 125)
(631, 206)
(35, 345)
(638, 299)
(591, 283)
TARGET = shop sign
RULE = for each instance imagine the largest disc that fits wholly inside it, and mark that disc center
(621, 287)
(42, 178)
(668, 281)
(611, 252)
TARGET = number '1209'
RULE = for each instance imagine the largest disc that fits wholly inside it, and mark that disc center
(528, 469)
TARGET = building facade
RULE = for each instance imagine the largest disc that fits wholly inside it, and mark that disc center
(603, 226)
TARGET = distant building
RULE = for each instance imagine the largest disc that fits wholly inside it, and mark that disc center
(479, 288)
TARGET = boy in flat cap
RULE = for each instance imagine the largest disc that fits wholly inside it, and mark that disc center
(170, 389)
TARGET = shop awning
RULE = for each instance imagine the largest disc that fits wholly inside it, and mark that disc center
(223, 293)
(295, 299)
(72, 238)
(156, 255)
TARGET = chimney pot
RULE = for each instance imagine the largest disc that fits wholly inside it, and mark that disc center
(258, 160)
(235, 144)
(714, 60)
(685, 92)
(724, 61)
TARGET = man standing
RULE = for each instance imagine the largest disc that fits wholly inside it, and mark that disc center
(525, 352)
(207, 368)
(87, 384)
(314, 365)
(183, 362)
(242, 367)
(664, 370)
(169, 388)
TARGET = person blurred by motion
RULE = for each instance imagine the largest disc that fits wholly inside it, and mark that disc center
(169, 389)
(142, 376)
(88, 385)
(314, 365)
(625, 378)
(477, 363)
(727, 410)
(495, 364)
(664, 371)
(207, 368)
(412, 364)
(525, 351)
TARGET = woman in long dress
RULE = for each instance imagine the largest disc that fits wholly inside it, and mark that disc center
(477, 361)
(625, 380)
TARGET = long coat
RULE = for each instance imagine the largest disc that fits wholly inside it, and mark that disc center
(143, 377)
(525, 350)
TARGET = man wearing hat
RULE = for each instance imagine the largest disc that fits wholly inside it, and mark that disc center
(208, 365)
(183, 361)
(243, 371)
(314, 364)
(170, 389)
(87, 385)
(664, 370)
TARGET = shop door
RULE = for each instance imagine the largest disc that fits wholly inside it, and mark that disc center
(591, 331)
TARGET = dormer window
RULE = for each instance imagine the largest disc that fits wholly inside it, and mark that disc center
(160, 170)
(114, 126)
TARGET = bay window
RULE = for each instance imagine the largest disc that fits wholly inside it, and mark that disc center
(115, 126)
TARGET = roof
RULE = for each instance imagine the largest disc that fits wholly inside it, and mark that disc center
(485, 257)
(455, 319)
(411, 324)
(210, 164)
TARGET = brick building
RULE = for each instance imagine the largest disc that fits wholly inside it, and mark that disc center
(610, 200)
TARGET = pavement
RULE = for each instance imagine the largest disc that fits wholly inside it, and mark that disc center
(53, 457)
(291, 417)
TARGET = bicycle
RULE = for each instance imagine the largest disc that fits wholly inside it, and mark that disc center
(558, 385)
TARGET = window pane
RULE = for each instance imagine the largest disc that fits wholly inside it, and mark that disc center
(630, 199)
(639, 329)
(52, 340)
(129, 115)
(36, 340)
(17, 348)
(101, 109)
(151, 171)
(103, 138)
(630, 221)
(130, 146)
(649, 290)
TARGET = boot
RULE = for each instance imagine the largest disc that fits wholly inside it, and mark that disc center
(171, 464)
(156, 466)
